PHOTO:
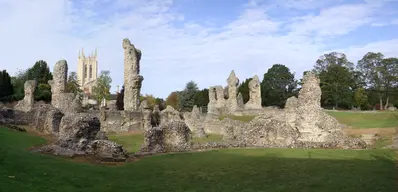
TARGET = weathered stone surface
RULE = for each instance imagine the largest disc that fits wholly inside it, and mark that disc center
(146, 115)
(177, 136)
(77, 131)
(28, 101)
(268, 132)
(68, 103)
(46, 119)
(232, 102)
(211, 106)
(291, 103)
(60, 75)
(195, 122)
(108, 150)
(132, 79)
(101, 135)
(155, 119)
(169, 114)
(111, 105)
(170, 137)
(255, 94)
(239, 99)
(120, 121)
(313, 123)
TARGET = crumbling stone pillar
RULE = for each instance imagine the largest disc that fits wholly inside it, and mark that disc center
(146, 115)
(58, 84)
(254, 93)
(66, 102)
(233, 82)
(132, 79)
(211, 106)
(28, 101)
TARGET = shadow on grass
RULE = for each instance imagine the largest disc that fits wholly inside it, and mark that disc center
(216, 170)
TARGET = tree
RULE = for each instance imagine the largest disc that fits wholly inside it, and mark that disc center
(150, 99)
(18, 82)
(278, 84)
(120, 99)
(371, 67)
(389, 75)
(72, 85)
(332, 58)
(102, 88)
(336, 82)
(172, 100)
(186, 98)
(361, 99)
(6, 88)
(201, 98)
(244, 90)
(39, 72)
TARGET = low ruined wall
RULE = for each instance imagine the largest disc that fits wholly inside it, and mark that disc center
(120, 121)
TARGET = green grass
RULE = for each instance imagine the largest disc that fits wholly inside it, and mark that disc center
(367, 120)
(244, 118)
(382, 142)
(243, 170)
(131, 142)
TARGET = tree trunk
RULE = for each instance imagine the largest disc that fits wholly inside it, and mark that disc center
(381, 103)
(386, 106)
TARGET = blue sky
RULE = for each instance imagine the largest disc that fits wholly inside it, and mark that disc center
(200, 40)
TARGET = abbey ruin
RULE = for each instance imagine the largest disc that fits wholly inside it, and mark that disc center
(302, 124)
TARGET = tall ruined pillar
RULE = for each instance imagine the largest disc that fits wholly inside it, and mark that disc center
(132, 79)
(254, 93)
(28, 101)
(66, 102)
(211, 106)
(232, 103)
(58, 84)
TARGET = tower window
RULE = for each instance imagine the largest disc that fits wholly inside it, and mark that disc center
(91, 71)
(85, 71)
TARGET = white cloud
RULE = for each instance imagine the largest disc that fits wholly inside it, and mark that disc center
(32, 30)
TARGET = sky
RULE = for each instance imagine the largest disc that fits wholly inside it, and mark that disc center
(199, 40)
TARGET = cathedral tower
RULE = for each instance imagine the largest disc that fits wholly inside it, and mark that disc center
(87, 71)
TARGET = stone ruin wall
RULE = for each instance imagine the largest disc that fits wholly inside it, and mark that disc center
(234, 102)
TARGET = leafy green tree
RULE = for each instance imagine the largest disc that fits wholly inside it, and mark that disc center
(333, 58)
(201, 98)
(389, 75)
(6, 88)
(277, 85)
(336, 82)
(102, 88)
(39, 72)
(18, 84)
(187, 96)
(244, 90)
(361, 98)
(371, 67)
(72, 85)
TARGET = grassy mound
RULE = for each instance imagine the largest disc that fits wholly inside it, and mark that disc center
(219, 170)
(367, 120)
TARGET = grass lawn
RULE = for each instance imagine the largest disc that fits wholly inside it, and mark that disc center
(133, 142)
(243, 170)
(367, 120)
